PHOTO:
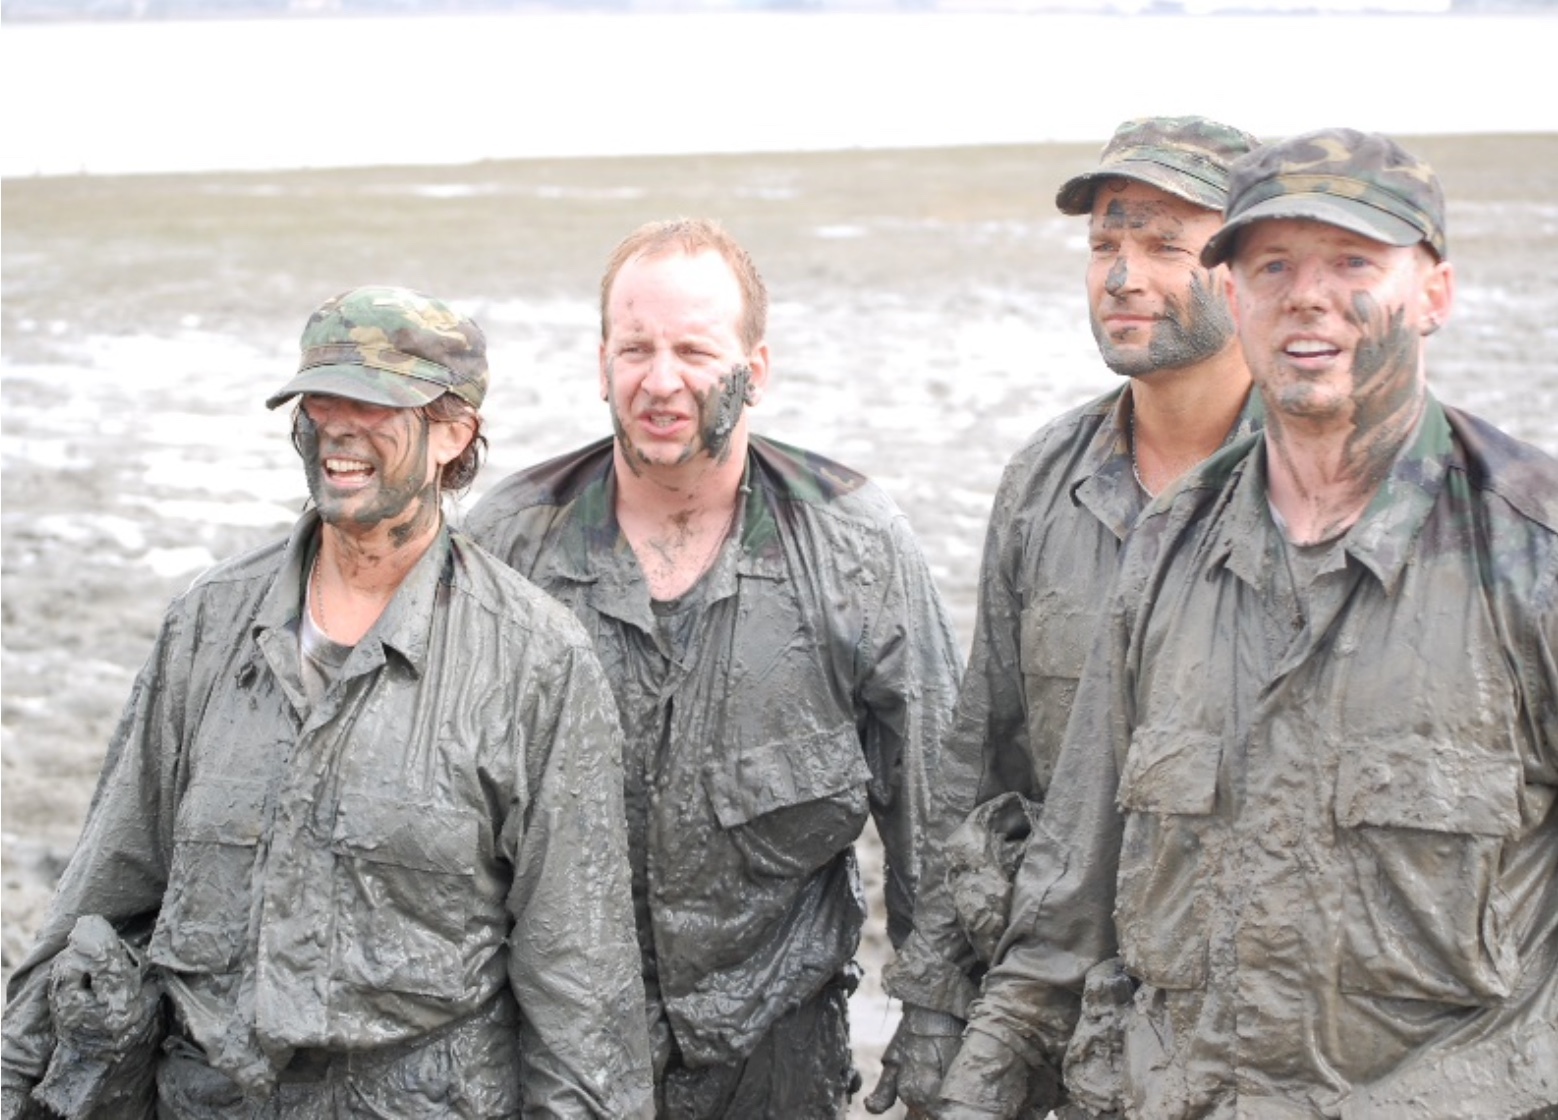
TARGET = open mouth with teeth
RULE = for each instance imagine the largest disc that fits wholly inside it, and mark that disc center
(663, 421)
(347, 472)
(1310, 348)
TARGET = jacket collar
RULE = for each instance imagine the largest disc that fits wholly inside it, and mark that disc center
(1385, 535)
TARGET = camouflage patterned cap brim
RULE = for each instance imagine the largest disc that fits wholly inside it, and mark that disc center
(390, 387)
(1194, 181)
(1352, 214)
(1187, 157)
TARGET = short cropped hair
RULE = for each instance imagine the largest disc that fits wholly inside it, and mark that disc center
(691, 236)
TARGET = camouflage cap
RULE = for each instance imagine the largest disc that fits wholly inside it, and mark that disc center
(1359, 181)
(391, 347)
(1186, 156)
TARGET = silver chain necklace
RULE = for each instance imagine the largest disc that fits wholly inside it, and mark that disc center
(1135, 467)
(317, 600)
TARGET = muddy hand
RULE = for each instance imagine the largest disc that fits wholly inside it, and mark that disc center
(95, 985)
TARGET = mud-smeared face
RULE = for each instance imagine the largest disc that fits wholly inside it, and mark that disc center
(1332, 322)
(1151, 304)
(368, 467)
(673, 370)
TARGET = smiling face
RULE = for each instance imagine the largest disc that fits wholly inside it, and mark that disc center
(371, 468)
(672, 366)
(1332, 322)
(1152, 305)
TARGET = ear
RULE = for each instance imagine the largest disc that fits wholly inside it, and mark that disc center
(1230, 292)
(757, 361)
(605, 379)
(1438, 295)
(448, 439)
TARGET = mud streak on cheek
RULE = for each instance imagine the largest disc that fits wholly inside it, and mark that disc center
(722, 410)
(1192, 332)
(1384, 388)
(1385, 365)
(305, 435)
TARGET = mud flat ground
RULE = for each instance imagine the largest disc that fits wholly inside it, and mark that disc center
(927, 316)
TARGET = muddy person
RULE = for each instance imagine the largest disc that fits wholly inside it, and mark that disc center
(1066, 501)
(784, 669)
(1309, 791)
(361, 823)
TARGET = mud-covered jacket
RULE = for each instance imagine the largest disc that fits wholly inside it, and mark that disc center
(817, 676)
(1066, 501)
(442, 835)
(1320, 828)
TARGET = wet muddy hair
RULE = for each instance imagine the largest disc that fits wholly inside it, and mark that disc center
(458, 473)
(691, 236)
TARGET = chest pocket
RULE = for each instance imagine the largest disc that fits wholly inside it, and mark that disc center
(204, 922)
(1423, 822)
(1168, 790)
(1055, 637)
(791, 805)
(406, 883)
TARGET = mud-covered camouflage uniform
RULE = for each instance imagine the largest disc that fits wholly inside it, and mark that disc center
(1065, 503)
(403, 893)
(802, 685)
(1317, 820)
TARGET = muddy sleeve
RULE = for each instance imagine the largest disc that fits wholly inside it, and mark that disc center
(910, 672)
(986, 745)
(1063, 898)
(573, 955)
(120, 865)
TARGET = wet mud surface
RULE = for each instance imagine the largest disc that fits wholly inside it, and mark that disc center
(927, 316)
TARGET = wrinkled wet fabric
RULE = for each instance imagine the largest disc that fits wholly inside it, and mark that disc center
(801, 1067)
(810, 690)
(382, 876)
(1331, 813)
(1066, 501)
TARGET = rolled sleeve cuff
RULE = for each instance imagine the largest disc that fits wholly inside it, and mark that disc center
(920, 976)
(989, 1077)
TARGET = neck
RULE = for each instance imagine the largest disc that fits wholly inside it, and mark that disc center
(677, 518)
(356, 575)
(1181, 416)
(1322, 476)
(651, 492)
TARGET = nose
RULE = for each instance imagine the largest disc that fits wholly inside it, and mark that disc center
(661, 378)
(1119, 279)
(1307, 287)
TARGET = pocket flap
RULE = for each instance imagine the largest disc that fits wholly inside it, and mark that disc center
(758, 778)
(221, 811)
(424, 837)
(1415, 781)
(1171, 770)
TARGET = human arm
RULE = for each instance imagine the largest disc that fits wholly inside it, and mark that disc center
(119, 867)
(938, 967)
(1061, 921)
(919, 793)
(573, 955)
(107, 1016)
